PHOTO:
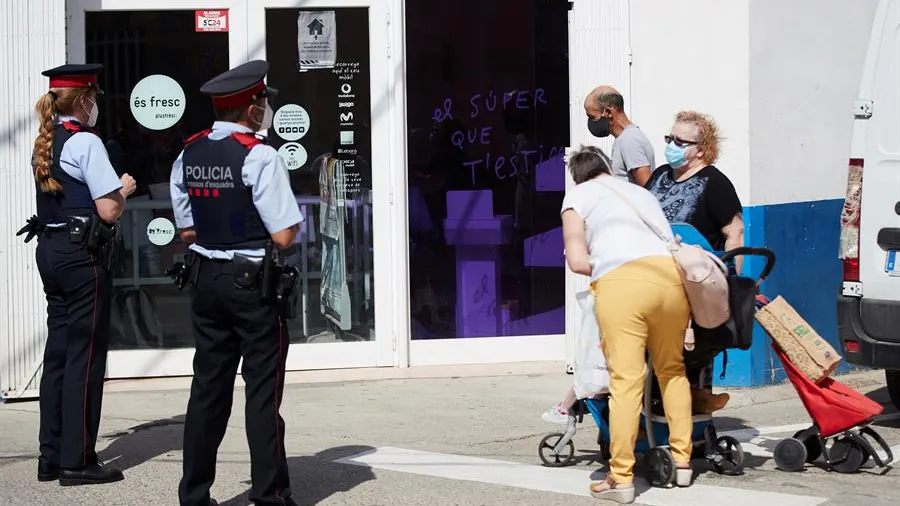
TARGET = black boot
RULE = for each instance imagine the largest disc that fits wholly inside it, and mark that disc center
(47, 471)
(91, 475)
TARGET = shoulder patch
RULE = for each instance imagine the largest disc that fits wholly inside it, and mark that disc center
(75, 127)
(197, 136)
(247, 140)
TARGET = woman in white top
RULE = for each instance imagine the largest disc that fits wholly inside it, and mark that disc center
(640, 305)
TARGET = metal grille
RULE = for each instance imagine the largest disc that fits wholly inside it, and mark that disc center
(599, 49)
(34, 35)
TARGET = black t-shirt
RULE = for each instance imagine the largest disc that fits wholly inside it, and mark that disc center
(707, 201)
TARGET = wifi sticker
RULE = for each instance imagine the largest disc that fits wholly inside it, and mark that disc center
(293, 154)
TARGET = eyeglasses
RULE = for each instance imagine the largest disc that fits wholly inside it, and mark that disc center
(680, 142)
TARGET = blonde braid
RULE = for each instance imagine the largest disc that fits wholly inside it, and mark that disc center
(43, 144)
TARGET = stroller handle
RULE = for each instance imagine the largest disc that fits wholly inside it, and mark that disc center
(756, 252)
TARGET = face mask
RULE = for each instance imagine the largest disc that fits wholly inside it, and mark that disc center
(599, 127)
(93, 115)
(675, 155)
(267, 118)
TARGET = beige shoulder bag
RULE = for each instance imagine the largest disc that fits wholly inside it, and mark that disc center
(703, 274)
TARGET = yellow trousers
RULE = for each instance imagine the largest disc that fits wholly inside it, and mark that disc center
(639, 306)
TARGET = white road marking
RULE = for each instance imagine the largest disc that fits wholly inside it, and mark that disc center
(748, 434)
(559, 480)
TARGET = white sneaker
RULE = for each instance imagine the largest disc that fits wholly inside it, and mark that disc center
(557, 414)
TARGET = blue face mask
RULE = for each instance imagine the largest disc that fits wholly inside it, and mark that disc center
(675, 156)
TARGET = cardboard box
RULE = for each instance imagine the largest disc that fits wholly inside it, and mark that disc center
(801, 343)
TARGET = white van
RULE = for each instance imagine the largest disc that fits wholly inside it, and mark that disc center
(869, 303)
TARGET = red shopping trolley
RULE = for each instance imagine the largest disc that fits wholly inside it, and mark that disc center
(840, 414)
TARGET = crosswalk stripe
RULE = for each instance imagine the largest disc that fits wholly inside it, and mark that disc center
(750, 433)
(561, 480)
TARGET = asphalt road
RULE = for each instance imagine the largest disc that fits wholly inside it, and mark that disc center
(439, 441)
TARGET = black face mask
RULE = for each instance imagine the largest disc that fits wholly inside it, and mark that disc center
(599, 127)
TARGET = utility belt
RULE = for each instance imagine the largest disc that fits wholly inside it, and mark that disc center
(88, 231)
(276, 283)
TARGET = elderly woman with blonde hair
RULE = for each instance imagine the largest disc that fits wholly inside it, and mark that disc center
(692, 190)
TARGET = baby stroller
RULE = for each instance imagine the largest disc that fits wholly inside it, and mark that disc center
(838, 412)
(724, 452)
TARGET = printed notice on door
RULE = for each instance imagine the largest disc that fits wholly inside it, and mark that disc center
(316, 40)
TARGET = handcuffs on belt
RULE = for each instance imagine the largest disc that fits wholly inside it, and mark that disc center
(89, 231)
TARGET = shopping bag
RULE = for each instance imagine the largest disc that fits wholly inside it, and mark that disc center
(591, 376)
(805, 348)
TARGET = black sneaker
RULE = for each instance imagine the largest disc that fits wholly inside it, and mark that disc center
(95, 474)
(47, 471)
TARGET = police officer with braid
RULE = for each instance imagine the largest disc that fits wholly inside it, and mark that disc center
(79, 200)
(233, 201)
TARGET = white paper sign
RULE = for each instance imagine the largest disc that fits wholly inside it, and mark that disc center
(157, 102)
(316, 39)
(291, 122)
(161, 231)
(293, 154)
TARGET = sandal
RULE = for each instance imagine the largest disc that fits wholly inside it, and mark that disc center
(609, 490)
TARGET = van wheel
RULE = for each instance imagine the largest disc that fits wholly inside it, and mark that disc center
(892, 378)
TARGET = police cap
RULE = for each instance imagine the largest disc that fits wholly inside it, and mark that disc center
(239, 86)
(75, 75)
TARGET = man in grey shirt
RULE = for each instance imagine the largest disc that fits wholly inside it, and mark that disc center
(632, 153)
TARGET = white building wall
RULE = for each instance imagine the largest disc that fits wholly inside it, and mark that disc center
(806, 60)
(34, 39)
(694, 54)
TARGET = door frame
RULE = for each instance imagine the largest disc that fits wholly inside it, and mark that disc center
(494, 349)
(380, 351)
(246, 44)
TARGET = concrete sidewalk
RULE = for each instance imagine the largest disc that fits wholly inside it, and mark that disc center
(489, 412)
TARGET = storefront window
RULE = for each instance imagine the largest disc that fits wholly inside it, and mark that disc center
(488, 116)
(319, 61)
(151, 104)
(321, 127)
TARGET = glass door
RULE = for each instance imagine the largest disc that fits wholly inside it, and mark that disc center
(329, 61)
(488, 124)
(152, 103)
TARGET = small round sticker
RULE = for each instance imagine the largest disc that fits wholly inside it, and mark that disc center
(161, 231)
(293, 154)
(157, 102)
(291, 122)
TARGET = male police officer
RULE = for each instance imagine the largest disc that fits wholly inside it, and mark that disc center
(232, 196)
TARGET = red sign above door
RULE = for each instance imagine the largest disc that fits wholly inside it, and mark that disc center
(211, 21)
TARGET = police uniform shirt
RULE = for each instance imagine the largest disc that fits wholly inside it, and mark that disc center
(266, 175)
(84, 157)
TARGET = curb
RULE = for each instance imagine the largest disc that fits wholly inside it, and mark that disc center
(745, 397)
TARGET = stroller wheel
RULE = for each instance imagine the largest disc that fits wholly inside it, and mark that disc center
(545, 451)
(790, 454)
(732, 461)
(659, 467)
(846, 455)
(813, 449)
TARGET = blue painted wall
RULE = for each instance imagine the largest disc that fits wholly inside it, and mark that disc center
(805, 238)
